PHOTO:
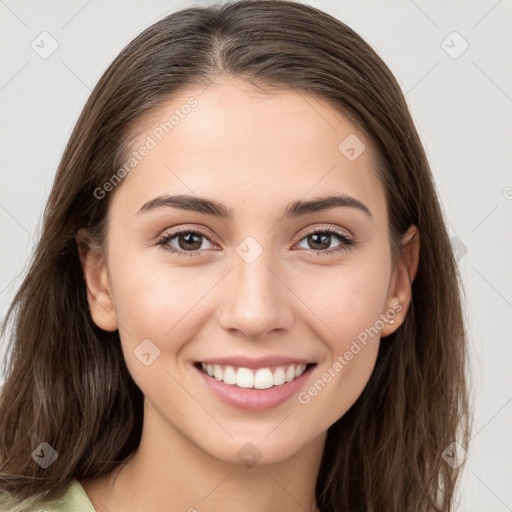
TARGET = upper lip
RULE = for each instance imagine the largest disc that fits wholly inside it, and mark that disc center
(255, 362)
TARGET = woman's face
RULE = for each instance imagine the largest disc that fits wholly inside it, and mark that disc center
(258, 281)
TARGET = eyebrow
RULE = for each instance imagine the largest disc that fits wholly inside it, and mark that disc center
(216, 209)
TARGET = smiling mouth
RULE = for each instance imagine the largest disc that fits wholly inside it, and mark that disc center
(255, 378)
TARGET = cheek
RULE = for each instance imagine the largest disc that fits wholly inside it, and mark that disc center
(348, 304)
(158, 301)
(161, 304)
(346, 300)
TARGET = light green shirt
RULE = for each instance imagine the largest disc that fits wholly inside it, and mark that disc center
(74, 499)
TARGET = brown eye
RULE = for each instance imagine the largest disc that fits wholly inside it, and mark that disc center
(189, 242)
(320, 241)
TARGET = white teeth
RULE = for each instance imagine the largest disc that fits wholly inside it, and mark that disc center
(244, 378)
(300, 370)
(263, 378)
(229, 375)
(279, 377)
(217, 372)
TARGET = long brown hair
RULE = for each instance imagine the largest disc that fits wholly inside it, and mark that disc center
(66, 380)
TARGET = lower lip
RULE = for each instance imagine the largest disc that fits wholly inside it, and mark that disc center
(250, 399)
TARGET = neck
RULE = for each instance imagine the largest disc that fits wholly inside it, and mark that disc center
(168, 472)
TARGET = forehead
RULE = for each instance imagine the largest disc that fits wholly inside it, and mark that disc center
(235, 142)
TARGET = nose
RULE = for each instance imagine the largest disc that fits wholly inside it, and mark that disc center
(256, 299)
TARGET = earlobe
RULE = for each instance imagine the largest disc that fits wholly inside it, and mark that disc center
(404, 273)
(99, 295)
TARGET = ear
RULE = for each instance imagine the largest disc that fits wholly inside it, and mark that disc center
(99, 294)
(400, 289)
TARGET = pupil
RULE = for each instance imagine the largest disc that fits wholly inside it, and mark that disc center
(322, 239)
(190, 239)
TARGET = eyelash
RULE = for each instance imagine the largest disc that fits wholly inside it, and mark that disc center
(345, 239)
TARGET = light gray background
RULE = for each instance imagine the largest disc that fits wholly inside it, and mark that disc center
(462, 109)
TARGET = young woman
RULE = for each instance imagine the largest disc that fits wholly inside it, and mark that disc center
(244, 296)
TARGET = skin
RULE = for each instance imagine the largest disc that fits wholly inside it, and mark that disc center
(254, 151)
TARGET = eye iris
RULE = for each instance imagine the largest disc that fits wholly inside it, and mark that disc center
(322, 239)
(192, 241)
